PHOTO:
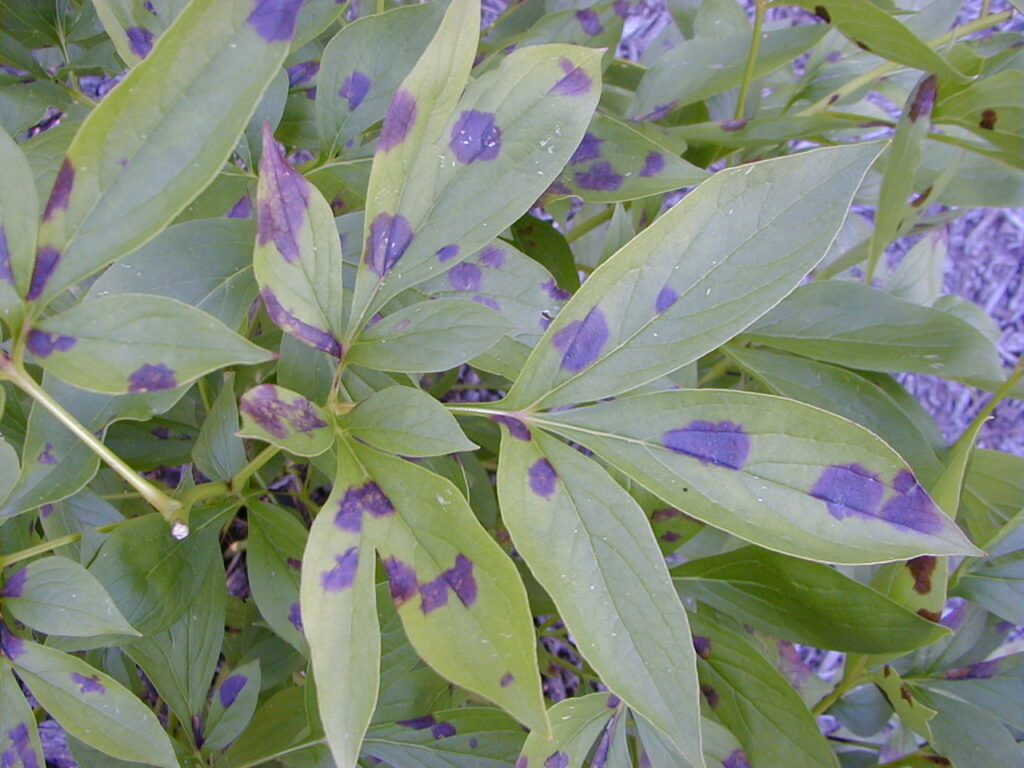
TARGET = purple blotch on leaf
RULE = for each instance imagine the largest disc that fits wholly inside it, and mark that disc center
(343, 573)
(654, 164)
(359, 499)
(389, 238)
(46, 261)
(301, 330)
(581, 341)
(600, 177)
(152, 378)
(15, 583)
(473, 742)
(522, 762)
(722, 443)
(736, 759)
(398, 121)
(140, 41)
(613, 701)
(543, 477)
(90, 684)
(507, 679)
(710, 694)
(666, 298)
(295, 616)
(911, 507)
(402, 580)
(42, 344)
(557, 760)
(302, 72)
(5, 258)
(475, 137)
(354, 89)
(979, 671)
(433, 594)
(61, 192)
(848, 489)
(702, 645)
(465, 277)
(283, 200)
(419, 723)
(12, 645)
(294, 563)
(488, 302)
(442, 730)
(575, 83)
(230, 689)
(278, 417)
(241, 209)
(556, 293)
(659, 112)
(589, 149)
(46, 455)
(492, 257)
(516, 428)
(447, 252)
(589, 21)
(274, 20)
(459, 578)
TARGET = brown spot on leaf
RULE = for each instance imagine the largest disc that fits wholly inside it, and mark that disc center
(937, 759)
(906, 695)
(930, 615)
(822, 13)
(833, 98)
(921, 568)
(988, 119)
(862, 45)
(922, 198)
(710, 694)
(923, 98)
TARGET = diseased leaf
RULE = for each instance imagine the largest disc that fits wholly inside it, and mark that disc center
(778, 473)
(286, 419)
(19, 738)
(722, 257)
(128, 333)
(19, 211)
(912, 712)
(231, 706)
(274, 562)
(588, 544)
(408, 422)
(576, 724)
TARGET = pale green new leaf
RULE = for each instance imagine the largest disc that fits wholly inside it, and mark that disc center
(286, 419)
(136, 343)
(408, 422)
(19, 213)
(705, 270)
(576, 724)
(19, 737)
(589, 545)
(778, 473)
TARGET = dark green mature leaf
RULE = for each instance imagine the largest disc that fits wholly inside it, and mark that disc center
(286, 419)
(979, 180)
(131, 27)
(576, 724)
(778, 473)
(92, 705)
(9, 469)
(992, 494)
(218, 452)
(278, 727)
(121, 344)
(989, 107)
(995, 582)
(588, 544)
(804, 602)
(968, 735)
(855, 325)
(755, 701)
(231, 706)
(19, 211)
(993, 685)
(274, 560)
(19, 737)
(129, 171)
(408, 422)
(57, 596)
(722, 257)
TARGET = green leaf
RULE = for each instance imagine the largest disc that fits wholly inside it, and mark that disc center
(992, 685)
(992, 495)
(159, 137)
(576, 724)
(297, 260)
(995, 582)
(58, 596)
(988, 107)
(131, 27)
(979, 180)
(861, 327)
(92, 706)
(912, 712)
(286, 419)
(428, 336)
(968, 735)
(218, 453)
(314, 18)
(804, 602)
(539, 240)
(408, 422)
(9, 469)
(19, 212)
(589, 545)
(278, 726)
(754, 701)
(19, 737)
(231, 706)
(129, 334)
(778, 473)
(918, 276)
(274, 559)
(706, 269)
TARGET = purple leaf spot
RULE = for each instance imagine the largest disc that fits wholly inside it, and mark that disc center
(295, 616)
(354, 89)
(600, 177)
(15, 583)
(230, 689)
(241, 209)
(433, 594)
(140, 41)
(465, 277)
(447, 252)
(979, 671)
(294, 563)
(283, 199)
(492, 257)
(46, 455)
(575, 83)
(721, 443)
(43, 344)
(659, 111)
(589, 21)
(302, 72)
(654, 164)
(710, 694)
(911, 507)
(543, 478)
(666, 298)
(506, 680)
(702, 645)
(442, 730)
(61, 192)
(389, 238)
(274, 20)
(398, 121)
(152, 378)
(277, 417)
(848, 489)
(516, 428)
(359, 499)
(5, 258)
(418, 723)
(343, 573)
(557, 760)
(46, 261)
(473, 742)
(487, 301)
(589, 149)
(475, 137)
(556, 293)
(736, 759)
(581, 341)
(401, 580)
(12, 645)
(460, 578)
(613, 701)
(90, 684)
(303, 331)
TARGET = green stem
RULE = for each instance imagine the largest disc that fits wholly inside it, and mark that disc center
(715, 371)
(856, 664)
(261, 458)
(38, 549)
(590, 224)
(755, 48)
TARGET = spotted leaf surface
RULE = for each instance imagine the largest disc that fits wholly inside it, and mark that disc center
(407, 422)
(19, 738)
(589, 545)
(136, 343)
(160, 136)
(57, 596)
(297, 260)
(451, 173)
(131, 26)
(19, 213)
(468, 736)
(91, 705)
(615, 162)
(576, 724)
(232, 705)
(274, 564)
(702, 272)
(286, 419)
(778, 473)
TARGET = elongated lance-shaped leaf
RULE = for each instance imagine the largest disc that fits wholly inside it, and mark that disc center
(450, 174)
(274, 562)
(338, 616)
(160, 136)
(576, 724)
(297, 260)
(721, 258)
(19, 738)
(91, 705)
(589, 545)
(121, 344)
(231, 706)
(778, 473)
(19, 213)
(459, 596)
(286, 419)
(131, 26)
